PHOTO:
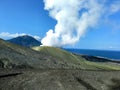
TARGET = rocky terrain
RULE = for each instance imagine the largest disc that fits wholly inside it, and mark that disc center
(59, 80)
(49, 68)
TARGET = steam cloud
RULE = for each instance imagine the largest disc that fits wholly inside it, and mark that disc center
(73, 18)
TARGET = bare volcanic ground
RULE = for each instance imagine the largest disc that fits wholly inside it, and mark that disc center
(50, 68)
(59, 80)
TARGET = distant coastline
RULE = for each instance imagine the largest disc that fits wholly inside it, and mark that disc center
(109, 54)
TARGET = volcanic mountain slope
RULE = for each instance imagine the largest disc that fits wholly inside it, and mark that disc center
(27, 41)
(51, 68)
(14, 56)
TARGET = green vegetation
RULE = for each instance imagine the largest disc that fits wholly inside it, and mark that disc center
(15, 56)
(77, 60)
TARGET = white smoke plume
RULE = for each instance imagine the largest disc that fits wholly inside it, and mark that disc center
(73, 19)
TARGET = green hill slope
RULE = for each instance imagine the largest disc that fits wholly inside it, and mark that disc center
(78, 61)
(15, 56)
(59, 56)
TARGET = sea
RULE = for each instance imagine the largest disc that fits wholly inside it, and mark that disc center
(114, 55)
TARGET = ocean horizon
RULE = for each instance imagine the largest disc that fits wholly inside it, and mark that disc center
(110, 54)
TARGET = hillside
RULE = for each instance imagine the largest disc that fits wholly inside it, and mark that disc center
(80, 61)
(27, 41)
(59, 80)
(50, 68)
(14, 56)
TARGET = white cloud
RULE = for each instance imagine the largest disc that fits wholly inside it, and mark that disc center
(74, 17)
(7, 35)
(37, 37)
(70, 24)
(111, 10)
(115, 7)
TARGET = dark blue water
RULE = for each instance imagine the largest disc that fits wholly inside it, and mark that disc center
(102, 53)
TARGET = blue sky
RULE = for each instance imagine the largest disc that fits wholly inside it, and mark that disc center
(29, 17)
(24, 16)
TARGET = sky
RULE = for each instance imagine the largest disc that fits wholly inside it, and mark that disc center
(20, 17)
